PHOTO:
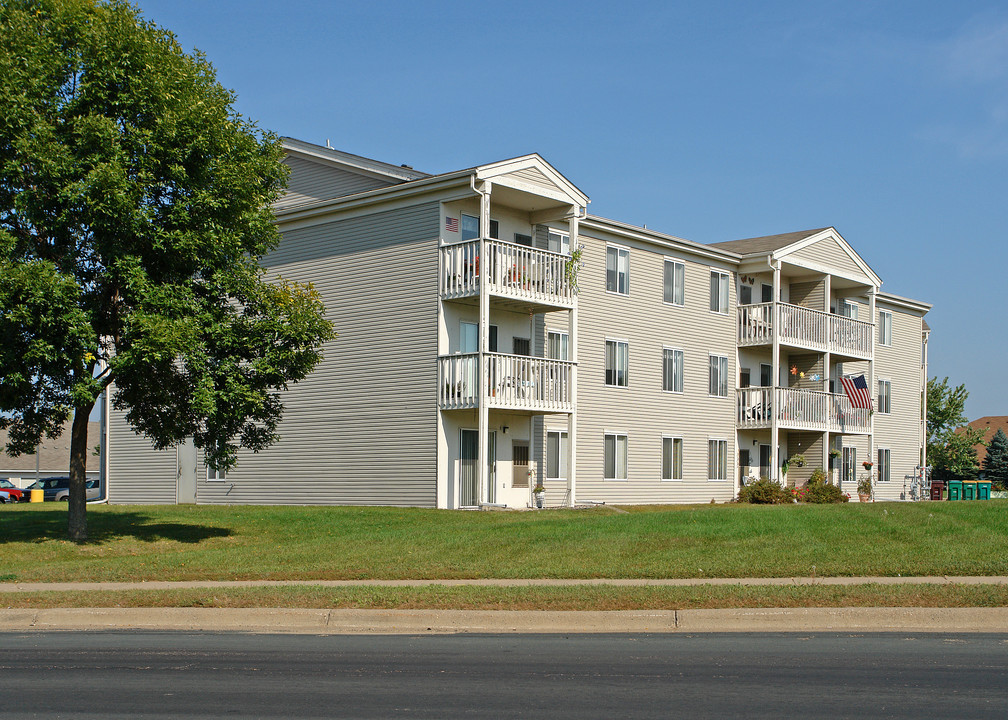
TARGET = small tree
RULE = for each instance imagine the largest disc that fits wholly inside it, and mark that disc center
(995, 463)
(951, 454)
(134, 212)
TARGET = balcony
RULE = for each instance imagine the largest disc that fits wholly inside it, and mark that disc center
(524, 275)
(798, 409)
(803, 327)
(515, 382)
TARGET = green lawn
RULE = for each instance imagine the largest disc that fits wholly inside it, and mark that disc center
(203, 542)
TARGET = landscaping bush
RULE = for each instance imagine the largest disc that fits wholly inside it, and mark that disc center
(817, 490)
(764, 492)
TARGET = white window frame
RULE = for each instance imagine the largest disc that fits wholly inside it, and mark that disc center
(561, 239)
(885, 328)
(616, 359)
(678, 375)
(720, 445)
(214, 474)
(884, 396)
(462, 224)
(620, 251)
(676, 467)
(884, 457)
(563, 343)
(848, 464)
(678, 281)
(723, 298)
(849, 309)
(562, 444)
(721, 376)
(617, 469)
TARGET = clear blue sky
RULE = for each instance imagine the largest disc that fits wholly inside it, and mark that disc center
(711, 121)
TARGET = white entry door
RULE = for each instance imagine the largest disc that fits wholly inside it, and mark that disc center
(185, 483)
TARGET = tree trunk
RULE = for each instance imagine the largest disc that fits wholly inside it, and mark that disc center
(77, 501)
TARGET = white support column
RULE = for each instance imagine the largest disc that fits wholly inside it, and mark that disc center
(572, 355)
(484, 348)
(872, 388)
(775, 378)
(827, 362)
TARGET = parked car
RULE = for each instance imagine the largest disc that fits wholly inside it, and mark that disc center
(58, 488)
(16, 493)
(6, 497)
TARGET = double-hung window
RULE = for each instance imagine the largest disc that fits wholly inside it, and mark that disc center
(615, 460)
(674, 282)
(671, 459)
(556, 455)
(718, 385)
(719, 291)
(885, 328)
(883, 464)
(617, 357)
(558, 242)
(885, 396)
(717, 459)
(558, 346)
(214, 473)
(618, 270)
(471, 227)
(849, 309)
(672, 370)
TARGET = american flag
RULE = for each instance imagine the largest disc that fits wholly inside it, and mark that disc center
(451, 224)
(857, 391)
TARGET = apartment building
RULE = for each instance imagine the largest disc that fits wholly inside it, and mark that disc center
(493, 335)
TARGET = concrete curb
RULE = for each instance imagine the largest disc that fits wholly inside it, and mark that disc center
(424, 622)
(504, 582)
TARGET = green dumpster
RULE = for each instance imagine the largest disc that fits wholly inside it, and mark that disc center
(983, 490)
(955, 489)
(969, 491)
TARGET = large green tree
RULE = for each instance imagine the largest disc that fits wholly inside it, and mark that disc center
(995, 463)
(951, 454)
(134, 213)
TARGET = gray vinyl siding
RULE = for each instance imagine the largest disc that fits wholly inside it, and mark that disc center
(310, 181)
(828, 253)
(137, 473)
(642, 410)
(899, 430)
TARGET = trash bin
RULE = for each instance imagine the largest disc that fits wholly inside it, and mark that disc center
(983, 490)
(955, 490)
(36, 495)
(937, 487)
(969, 491)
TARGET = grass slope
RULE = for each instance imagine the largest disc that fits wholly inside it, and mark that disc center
(244, 542)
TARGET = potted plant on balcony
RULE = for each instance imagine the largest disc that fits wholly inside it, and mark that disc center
(540, 494)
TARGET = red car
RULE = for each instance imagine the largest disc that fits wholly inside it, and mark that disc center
(17, 495)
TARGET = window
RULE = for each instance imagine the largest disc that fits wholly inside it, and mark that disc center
(674, 281)
(617, 270)
(556, 455)
(470, 227)
(521, 346)
(494, 229)
(213, 473)
(718, 376)
(617, 354)
(885, 396)
(493, 338)
(718, 291)
(671, 459)
(765, 370)
(849, 309)
(717, 459)
(558, 242)
(885, 328)
(883, 465)
(745, 378)
(522, 239)
(745, 294)
(672, 370)
(558, 346)
(766, 293)
(849, 468)
(468, 337)
(615, 465)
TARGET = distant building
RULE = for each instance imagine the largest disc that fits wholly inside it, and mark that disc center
(989, 425)
(53, 457)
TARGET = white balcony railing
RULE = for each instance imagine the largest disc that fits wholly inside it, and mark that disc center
(800, 409)
(805, 328)
(513, 270)
(516, 382)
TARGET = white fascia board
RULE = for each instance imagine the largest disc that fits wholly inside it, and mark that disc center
(567, 191)
(830, 233)
(358, 163)
(666, 242)
(902, 302)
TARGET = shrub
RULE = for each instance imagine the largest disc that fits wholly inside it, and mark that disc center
(764, 492)
(823, 493)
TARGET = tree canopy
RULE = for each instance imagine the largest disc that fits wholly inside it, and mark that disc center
(995, 463)
(134, 216)
(951, 454)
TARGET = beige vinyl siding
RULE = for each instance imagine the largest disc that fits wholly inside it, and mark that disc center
(809, 294)
(137, 473)
(534, 176)
(642, 410)
(899, 430)
(828, 253)
(310, 181)
(809, 444)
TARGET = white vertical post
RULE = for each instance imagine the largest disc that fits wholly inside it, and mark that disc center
(827, 359)
(775, 377)
(872, 389)
(572, 356)
(484, 347)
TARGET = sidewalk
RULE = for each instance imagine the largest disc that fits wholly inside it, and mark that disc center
(350, 621)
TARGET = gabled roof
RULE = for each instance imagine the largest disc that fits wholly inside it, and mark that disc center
(989, 425)
(766, 243)
(398, 173)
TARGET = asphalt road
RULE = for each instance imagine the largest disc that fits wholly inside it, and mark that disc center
(206, 675)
